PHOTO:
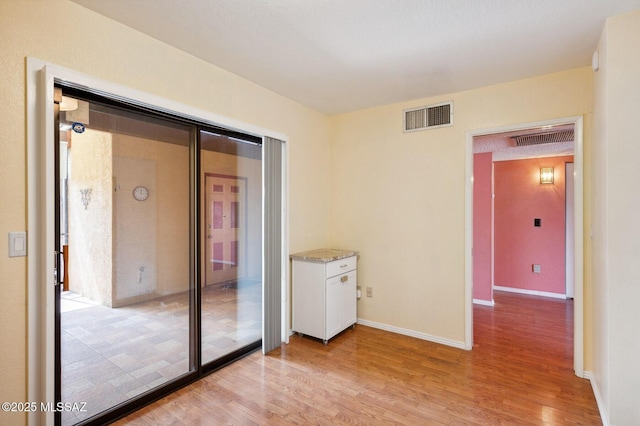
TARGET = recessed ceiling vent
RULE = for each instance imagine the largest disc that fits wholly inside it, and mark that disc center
(428, 117)
(542, 138)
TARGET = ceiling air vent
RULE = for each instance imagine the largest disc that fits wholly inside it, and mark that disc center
(428, 117)
(541, 138)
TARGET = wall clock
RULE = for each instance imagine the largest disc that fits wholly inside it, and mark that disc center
(140, 193)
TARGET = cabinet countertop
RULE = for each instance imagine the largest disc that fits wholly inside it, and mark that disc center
(323, 255)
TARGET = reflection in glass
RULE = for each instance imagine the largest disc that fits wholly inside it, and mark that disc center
(125, 312)
(231, 206)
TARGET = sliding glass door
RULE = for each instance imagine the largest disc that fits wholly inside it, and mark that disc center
(160, 231)
(231, 214)
(126, 305)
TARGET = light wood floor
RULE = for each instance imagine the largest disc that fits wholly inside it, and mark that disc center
(519, 373)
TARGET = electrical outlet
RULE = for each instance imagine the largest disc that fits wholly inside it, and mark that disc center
(536, 268)
(369, 291)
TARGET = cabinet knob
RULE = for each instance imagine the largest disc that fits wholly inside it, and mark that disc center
(344, 278)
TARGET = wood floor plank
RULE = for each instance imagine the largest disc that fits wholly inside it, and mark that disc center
(520, 371)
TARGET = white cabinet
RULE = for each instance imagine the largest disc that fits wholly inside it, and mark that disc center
(324, 292)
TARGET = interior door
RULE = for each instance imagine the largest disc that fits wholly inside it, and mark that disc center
(224, 227)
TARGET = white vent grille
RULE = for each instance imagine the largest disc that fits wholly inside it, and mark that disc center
(542, 138)
(428, 117)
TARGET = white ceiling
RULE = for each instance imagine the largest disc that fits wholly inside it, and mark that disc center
(343, 55)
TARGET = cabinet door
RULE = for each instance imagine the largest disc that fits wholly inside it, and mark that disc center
(349, 300)
(334, 317)
(309, 295)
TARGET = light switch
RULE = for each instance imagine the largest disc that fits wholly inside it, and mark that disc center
(17, 244)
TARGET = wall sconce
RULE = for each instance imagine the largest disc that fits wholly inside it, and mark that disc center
(85, 197)
(546, 175)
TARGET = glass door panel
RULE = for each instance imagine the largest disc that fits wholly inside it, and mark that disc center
(231, 263)
(160, 277)
(126, 307)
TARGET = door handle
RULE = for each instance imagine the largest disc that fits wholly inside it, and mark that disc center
(56, 261)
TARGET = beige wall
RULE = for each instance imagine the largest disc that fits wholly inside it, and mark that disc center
(68, 35)
(153, 234)
(90, 228)
(163, 218)
(616, 228)
(399, 198)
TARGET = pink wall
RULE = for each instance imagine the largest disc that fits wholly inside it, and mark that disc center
(482, 171)
(519, 198)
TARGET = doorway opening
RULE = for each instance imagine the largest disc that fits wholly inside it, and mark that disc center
(489, 140)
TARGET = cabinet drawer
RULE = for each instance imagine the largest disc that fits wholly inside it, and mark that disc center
(341, 266)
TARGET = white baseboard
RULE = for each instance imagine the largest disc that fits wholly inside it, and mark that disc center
(483, 302)
(412, 333)
(530, 292)
(596, 392)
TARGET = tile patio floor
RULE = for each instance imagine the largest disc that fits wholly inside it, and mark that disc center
(112, 354)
